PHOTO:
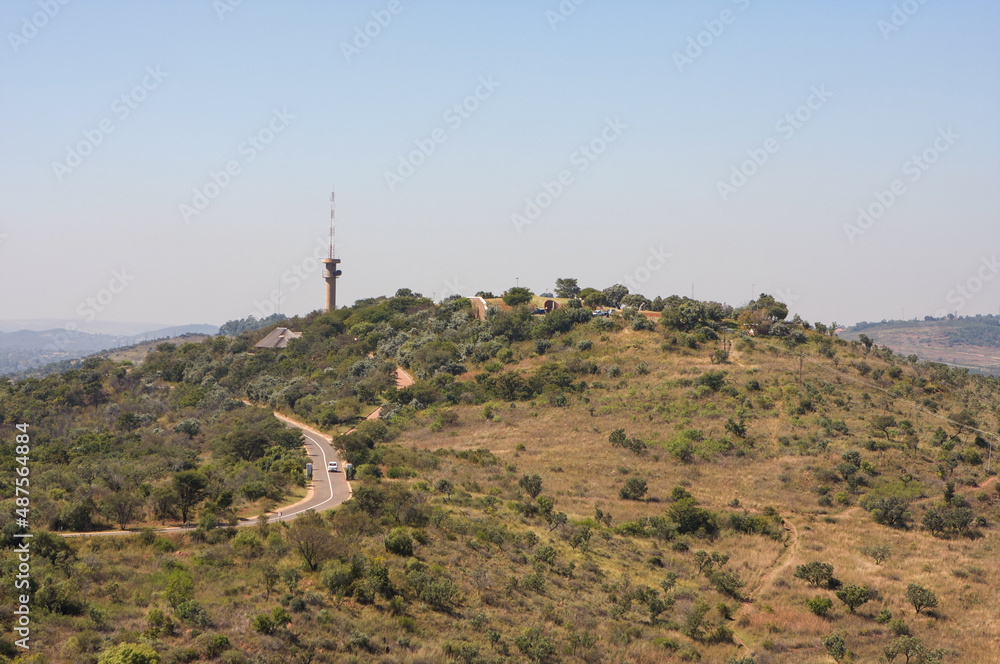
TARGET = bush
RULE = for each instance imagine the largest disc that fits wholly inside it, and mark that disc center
(816, 573)
(193, 613)
(820, 605)
(891, 511)
(398, 541)
(216, 645)
(129, 653)
(921, 598)
(899, 627)
(634, 489)
(854, 596)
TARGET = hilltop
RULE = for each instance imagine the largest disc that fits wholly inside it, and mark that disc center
(552, 488)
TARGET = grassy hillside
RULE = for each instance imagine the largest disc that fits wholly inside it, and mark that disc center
(552, 489)
(972, 342)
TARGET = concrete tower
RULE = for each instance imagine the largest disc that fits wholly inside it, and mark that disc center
(330, 273)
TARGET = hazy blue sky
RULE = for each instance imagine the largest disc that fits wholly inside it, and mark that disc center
(187, 87)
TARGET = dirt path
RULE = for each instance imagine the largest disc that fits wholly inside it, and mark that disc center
(403, 379)
(782, 562)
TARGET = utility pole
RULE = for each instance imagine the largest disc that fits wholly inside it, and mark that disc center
(800, 369)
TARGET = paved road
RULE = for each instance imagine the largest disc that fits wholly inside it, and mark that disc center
(326, 491)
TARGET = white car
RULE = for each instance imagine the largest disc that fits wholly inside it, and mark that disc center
(332, 466)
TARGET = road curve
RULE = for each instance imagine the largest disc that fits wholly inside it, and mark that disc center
(326, 491)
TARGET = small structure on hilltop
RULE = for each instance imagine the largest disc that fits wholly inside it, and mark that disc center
(278, 338)
(550, 306)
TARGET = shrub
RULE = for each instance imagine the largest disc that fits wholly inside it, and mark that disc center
(877, 553)
(216, 645)
(129, 653)
(899, 627)
(834, 644)
(820, 605)
(398, 541)
(890, 511)
(193, 613)
(921, 598)
(854, 596)
(633, 489)
(816, 573)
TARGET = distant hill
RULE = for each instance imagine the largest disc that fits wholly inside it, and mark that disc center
(971, 342)
(27, 349)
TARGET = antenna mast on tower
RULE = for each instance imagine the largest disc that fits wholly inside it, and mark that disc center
(333, 209)
(330, 273)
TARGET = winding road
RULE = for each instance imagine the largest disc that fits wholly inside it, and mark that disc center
(325, 491)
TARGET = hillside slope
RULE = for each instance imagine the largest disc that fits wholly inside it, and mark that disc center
(550, 489)
(972, 343)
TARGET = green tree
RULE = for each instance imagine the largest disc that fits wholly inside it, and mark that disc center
(269, 575)
(921, 598)
(913, 650)
(189, 427)
(247, 546)
(882, 423)
(816, 573)
(532, 485)
(121, 507)
(398, 541)
(567, 288)
(834, 644)
(613, 295)
(879, 554)
(535, 645)
(594, 300)
(189, 485)
(854, 596)
(517, 296)
(312, 539)
(633, 489)
(163, 501)
(819, 605)
(890, 511)
(866, 342)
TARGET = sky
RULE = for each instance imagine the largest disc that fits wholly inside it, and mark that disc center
(173, 162)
